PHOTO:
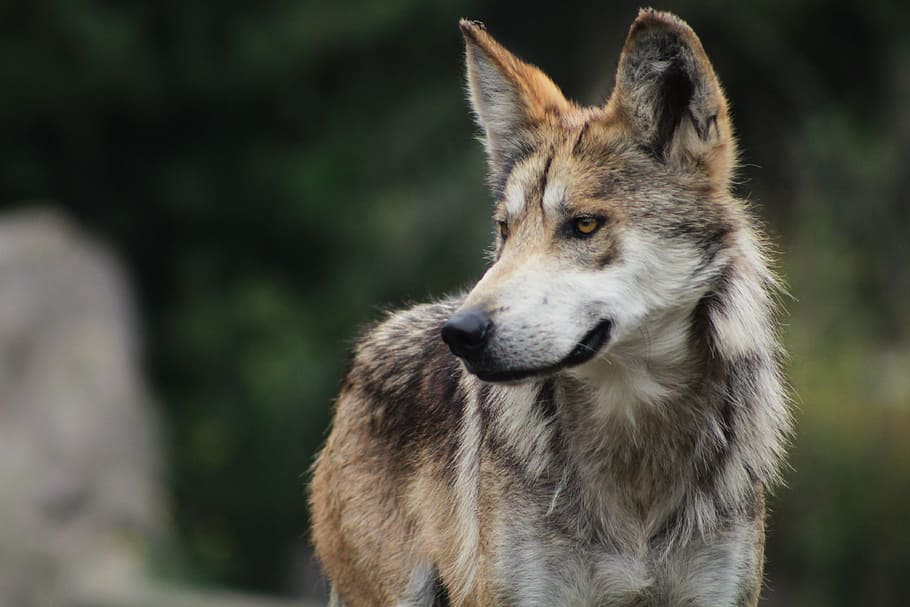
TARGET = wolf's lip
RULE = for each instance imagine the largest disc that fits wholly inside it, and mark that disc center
(589, 345)
(592, 342)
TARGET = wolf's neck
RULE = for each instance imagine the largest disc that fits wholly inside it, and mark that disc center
(690, 416)
(634, 419)
(641, 372)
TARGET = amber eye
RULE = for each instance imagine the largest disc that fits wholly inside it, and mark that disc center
(503, 229)
(586, 225)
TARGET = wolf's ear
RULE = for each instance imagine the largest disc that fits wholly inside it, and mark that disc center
(509, 98)
(667, 93)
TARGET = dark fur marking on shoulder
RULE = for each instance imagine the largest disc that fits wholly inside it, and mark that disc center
(391, 392)
(417, 400)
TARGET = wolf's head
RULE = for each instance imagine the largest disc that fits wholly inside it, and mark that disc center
(612, 222)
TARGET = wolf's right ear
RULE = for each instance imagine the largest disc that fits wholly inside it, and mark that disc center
(509, 98)
(668, 95)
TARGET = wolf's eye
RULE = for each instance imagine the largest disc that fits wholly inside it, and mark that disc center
(586, 225)
(503, 229)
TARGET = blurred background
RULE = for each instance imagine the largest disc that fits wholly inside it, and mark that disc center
(201, 202)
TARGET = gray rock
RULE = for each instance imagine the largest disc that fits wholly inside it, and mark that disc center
(79, 490)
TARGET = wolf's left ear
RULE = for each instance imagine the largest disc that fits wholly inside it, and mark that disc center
(667, 93)
(509, 97)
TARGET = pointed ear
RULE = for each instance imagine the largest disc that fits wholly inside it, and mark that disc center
(509, 98)
(667, 93)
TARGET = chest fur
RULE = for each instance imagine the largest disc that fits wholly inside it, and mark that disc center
(536, 566)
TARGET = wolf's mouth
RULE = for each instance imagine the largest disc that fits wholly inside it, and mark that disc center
(589, 345)
(592, 343)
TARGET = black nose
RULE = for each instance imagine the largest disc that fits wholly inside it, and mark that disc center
(467, 332)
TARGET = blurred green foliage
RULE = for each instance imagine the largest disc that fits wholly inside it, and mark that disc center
(274, 172)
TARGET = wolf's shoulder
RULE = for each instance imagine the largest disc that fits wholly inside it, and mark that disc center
(401, 328)
(405, 376)
(404, 340)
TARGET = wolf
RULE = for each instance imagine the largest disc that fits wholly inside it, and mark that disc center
(599, 420)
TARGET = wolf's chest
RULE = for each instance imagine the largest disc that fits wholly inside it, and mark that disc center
(539, 568)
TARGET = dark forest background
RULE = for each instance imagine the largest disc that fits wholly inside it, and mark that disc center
(274, 173)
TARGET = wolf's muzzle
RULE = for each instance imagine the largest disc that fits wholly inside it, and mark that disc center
(467, 333)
